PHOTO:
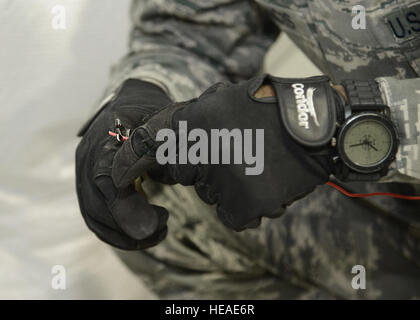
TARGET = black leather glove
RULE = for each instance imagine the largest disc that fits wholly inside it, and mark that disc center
(122, 218)
(291, 170)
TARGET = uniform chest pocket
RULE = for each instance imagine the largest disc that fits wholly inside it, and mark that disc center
(291, 16)
(385, 46)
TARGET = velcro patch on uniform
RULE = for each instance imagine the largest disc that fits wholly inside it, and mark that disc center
(404, 23)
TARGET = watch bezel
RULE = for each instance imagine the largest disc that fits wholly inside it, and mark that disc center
(351, 122)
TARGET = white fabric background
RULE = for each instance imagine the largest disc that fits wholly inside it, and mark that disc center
(49, 80)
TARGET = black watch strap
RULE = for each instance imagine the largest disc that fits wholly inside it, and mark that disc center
(363, 95)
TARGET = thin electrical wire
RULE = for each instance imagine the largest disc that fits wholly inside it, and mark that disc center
(113, 134)
(373, 194)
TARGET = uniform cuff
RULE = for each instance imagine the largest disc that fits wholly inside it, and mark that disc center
(403, 98)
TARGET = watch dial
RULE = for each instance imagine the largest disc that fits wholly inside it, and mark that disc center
(367, 143)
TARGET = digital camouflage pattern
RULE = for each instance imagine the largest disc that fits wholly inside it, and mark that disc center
(184, 46)
(403, 97)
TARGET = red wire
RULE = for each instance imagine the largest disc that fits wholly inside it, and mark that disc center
(364, 195)
(113, 134)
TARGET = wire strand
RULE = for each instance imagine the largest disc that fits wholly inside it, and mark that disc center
(113, 134)
(373, 194)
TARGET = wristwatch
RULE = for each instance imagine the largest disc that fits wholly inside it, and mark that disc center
(357, 132)
(366, 140)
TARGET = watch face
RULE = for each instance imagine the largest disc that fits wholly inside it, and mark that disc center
(367, 141)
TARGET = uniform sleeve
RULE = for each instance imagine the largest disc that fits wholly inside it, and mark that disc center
(403, 97)
(184, 46)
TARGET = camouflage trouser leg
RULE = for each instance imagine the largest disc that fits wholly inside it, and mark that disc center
(307, 253)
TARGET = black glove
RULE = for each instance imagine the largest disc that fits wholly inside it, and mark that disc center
(122, 218)
(291, 170)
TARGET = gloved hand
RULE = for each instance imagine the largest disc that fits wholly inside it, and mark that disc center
(122, 218)
(292, 169)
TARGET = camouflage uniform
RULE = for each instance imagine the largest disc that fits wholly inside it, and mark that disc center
(184, 46)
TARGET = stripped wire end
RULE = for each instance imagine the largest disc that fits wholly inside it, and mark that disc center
(119, 137)
(121, 133)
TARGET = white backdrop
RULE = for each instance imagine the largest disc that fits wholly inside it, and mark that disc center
(49, 79)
